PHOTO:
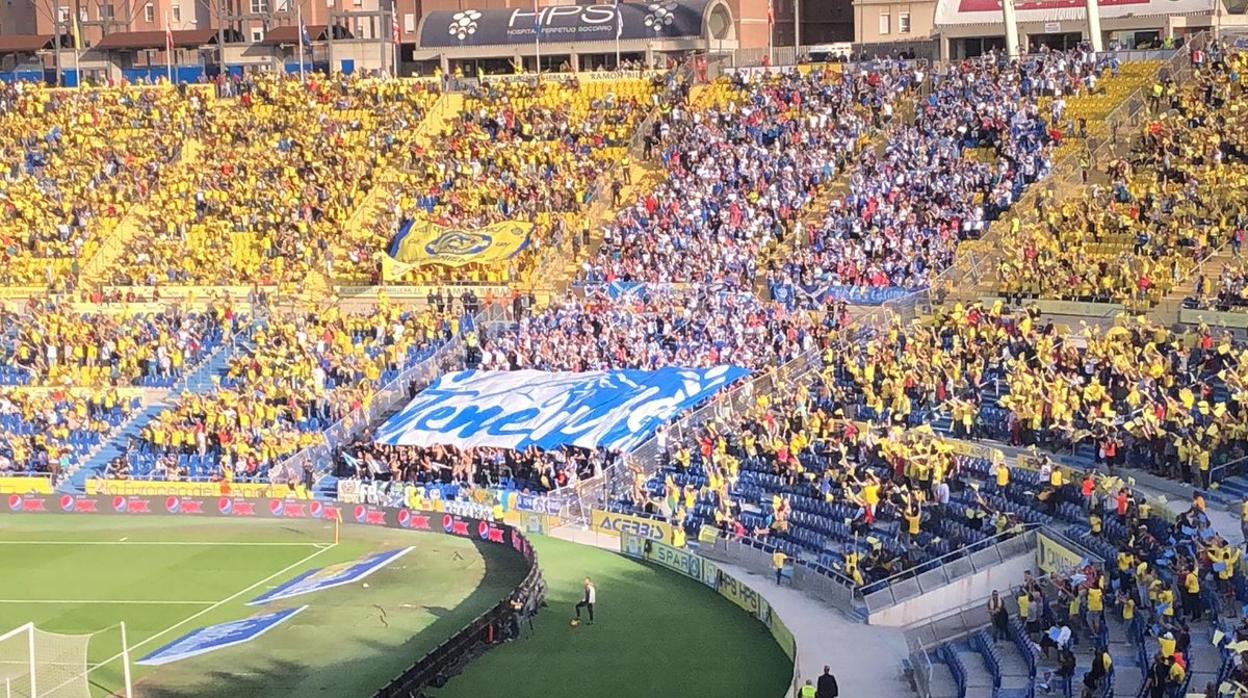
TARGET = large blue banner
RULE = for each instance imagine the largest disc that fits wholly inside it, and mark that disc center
(220, 636)
(517, 409)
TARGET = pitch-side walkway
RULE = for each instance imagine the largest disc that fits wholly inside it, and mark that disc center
(866, 660)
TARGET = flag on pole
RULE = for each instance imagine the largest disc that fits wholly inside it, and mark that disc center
(77, 33)
(304, 37)
(771, 14)
(395, 36)
(619, 20)
(537, 37)
(169, 48)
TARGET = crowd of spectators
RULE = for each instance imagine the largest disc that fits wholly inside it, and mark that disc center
(77, 161)
(282, 170)
(1173, 200)
(1168, 400)
(910, 202)
(46, 431)
(652, 326)
(518, 150)
(532, 469)
(301, 374)
(739, 165)
(63, 344)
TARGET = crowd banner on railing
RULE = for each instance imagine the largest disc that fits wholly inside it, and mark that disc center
(195, 489)
(25, 485)
(1053, 556)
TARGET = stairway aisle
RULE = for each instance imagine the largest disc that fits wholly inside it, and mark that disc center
(199, 381)
(979, 682)
(96, 267)
(1015, 676)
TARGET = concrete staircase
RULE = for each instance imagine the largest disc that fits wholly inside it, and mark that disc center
(979, 682)
(98, 460)
(439, 118)
(95, 269)
(199, 381)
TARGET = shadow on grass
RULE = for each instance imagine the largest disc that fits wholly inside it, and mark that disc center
(656, 633)
(380, 661)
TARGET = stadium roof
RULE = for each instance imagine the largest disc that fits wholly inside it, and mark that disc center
(289, 34)
(563, 24)
(25, 43)
(988, 12)
(156, 39)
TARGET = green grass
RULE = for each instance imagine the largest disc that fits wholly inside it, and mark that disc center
(658, 634)
(349, 642)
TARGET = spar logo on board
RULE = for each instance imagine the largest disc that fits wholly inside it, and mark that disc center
(78, 505)
(19, 502)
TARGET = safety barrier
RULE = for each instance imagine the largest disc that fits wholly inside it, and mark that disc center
(448, 657)
(942, 571)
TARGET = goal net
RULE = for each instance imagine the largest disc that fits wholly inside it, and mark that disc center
(35, 663)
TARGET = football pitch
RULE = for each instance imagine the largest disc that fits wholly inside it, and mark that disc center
(165, 577)
(658, 634)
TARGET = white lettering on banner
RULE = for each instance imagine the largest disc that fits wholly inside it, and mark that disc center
(614, 410)
(470, 510)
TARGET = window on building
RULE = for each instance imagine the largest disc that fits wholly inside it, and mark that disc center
(82, 14)
(177, 13)
(149, 13)
(257, 35)
(62, 15)
(259, 6)
(903, 23)
(885, 24)
(106, 12)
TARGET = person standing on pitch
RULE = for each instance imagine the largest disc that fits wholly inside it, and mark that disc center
(587, 602)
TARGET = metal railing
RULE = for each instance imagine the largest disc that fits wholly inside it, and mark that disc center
(826, 584)
(942, 571)
(442, 661)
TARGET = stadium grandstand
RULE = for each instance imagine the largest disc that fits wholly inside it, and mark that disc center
(944, 361)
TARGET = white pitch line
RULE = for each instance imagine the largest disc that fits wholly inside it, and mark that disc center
(109, 602)
(213, 607)
(224, 543)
